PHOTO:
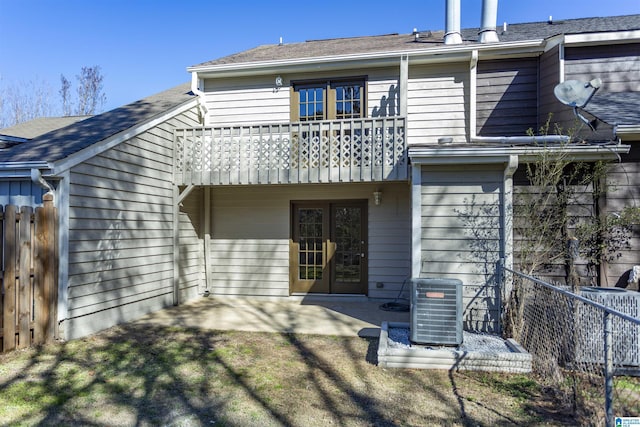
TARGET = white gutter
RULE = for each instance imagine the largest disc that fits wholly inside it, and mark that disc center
(627, 132)
(24, 165)
(429, 154)
(521, 139)
(12, 170)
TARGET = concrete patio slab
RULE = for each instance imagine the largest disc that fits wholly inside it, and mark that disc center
(331, 315)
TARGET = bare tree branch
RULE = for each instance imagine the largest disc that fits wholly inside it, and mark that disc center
(91, 97)
(65, 94)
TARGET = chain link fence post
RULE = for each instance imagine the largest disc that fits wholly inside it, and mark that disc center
(608, 369)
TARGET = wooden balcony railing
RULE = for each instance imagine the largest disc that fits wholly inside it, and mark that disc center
(361, 150)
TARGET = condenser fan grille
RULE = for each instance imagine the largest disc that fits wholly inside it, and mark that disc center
(436, 311)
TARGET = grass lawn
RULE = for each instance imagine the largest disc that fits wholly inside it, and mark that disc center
(141, 375)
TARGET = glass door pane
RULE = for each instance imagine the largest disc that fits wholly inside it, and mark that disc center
(348, 244)
(308, 259)
(311, 254)
(328, 247)
(349, 262)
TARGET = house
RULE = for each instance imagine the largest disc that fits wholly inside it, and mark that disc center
(343, 166)
(26, 192)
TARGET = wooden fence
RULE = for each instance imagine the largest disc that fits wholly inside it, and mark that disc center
(29, 256)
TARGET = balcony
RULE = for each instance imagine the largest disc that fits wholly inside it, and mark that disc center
(363, 150)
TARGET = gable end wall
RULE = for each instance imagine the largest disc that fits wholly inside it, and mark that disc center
(120, 233)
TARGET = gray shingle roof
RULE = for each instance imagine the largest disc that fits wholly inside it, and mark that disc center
(400, 42)
(59, 144)
(40, 126)
(544, 30)
(622, 108)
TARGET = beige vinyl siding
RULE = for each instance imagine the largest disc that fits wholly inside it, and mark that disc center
(120, 232)
(251, 231)
(461, 222)
(390, 242)
(191, 246)
(507, 97)
(383, 93)
(255, 100)
(252, 100)
(436, 104)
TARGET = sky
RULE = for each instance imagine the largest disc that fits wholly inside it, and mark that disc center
(144, 46)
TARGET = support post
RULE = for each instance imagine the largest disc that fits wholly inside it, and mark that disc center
(178, 198)
(207, 239)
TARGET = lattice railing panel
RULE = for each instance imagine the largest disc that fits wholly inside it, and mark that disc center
(331, 151)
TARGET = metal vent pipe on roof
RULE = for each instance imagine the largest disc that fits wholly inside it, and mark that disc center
(488, 33)
(452, 22)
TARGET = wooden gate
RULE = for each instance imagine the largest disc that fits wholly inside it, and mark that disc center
(29, 255)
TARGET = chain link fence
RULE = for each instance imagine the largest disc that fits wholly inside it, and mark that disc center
(585, 346)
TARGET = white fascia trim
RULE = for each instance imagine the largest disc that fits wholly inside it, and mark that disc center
(99, 147)
(447, 53)
(598, 38)
(627, 129)
(554, 41)
(451, 156)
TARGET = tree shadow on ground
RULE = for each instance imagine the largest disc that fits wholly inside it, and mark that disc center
(141, 374)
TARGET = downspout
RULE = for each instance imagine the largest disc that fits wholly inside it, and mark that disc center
(506, 240)
(195, 88)
(404, 84)
(473, 131)
(36, 178)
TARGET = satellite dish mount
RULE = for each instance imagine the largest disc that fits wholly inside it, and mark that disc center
(577, 94)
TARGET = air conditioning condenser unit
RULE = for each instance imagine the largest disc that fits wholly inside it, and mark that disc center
(436, 311)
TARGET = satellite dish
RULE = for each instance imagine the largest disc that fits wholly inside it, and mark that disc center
(577, 94)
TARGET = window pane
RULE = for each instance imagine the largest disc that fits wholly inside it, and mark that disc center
(311, 103)
(348, 101)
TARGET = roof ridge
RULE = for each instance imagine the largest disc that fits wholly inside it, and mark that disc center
(351, 37)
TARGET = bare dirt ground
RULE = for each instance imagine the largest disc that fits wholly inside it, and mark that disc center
(137, 375)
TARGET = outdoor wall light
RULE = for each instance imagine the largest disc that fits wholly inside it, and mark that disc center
(377, 197)
(278, 81)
